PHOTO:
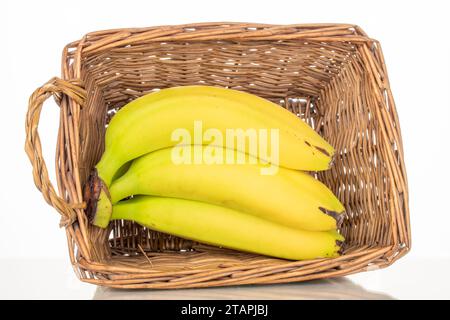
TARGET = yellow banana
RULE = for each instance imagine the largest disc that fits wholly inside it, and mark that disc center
(225, 227)
(292, 198)
(147, 124)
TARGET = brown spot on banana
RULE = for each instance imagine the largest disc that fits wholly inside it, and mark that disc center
(325, 152)
(322, 150)
(338, 216)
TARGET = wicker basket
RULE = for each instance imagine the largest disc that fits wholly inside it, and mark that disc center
(331, 75)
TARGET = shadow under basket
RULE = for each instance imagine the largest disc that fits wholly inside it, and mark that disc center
(332, 76)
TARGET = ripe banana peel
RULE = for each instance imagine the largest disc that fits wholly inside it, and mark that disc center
(288, 214)
(289, 197)
(225, 227)
(147, 123)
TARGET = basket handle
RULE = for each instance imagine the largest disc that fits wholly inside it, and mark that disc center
(55, 87)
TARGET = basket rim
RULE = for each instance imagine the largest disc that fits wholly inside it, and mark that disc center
(98, 41)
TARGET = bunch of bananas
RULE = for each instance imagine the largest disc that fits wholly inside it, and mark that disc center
(216, 199)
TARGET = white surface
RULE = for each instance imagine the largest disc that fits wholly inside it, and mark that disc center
(414, 36)
(54, 279)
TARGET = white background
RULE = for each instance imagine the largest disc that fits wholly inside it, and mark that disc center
(414, 37)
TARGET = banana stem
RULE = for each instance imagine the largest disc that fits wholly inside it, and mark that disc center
(98, 201)
(122, 188)
(107, 167)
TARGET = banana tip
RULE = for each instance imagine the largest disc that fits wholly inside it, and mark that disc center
(338, 216)
(340, 245)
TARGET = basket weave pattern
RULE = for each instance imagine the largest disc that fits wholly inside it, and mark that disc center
(332, 76)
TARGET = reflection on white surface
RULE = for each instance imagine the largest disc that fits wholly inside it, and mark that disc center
(340, 288)
(409, 278)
